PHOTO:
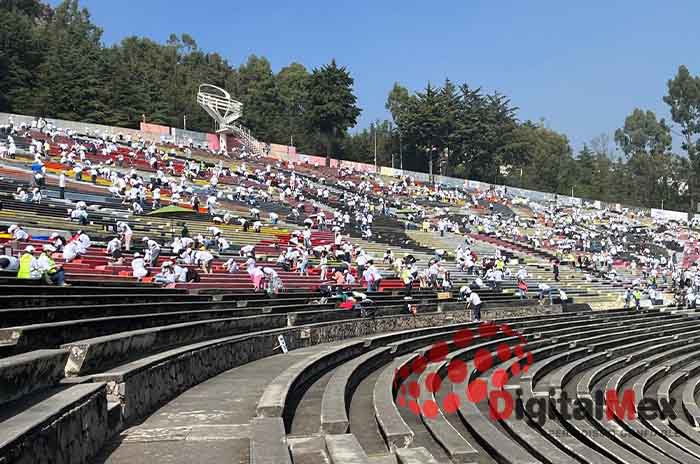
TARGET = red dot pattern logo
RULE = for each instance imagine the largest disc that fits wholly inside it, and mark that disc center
(484, 359)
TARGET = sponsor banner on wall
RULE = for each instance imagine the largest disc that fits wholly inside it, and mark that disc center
(361, 167)
(281, 152)
(213, 142)
(183, 136)
(313, 160)
(668, 215)
(449, 181)
(155, 128)
(390, 172)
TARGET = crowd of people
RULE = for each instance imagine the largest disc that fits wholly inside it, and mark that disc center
(601, 242)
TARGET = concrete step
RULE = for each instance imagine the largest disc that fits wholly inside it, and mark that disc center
(362, 422)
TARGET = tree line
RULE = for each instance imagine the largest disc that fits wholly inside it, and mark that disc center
(53, 63)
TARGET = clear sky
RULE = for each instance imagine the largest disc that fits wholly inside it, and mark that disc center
(582, 66)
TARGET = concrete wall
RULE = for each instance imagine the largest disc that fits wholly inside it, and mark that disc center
(80, 127)
(140, 391)
(71, 432)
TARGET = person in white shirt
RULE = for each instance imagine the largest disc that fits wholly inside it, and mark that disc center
(205, 259)
(114, 249)
(156, 198)
(136, 208)
(433, 272)
(187, 255)
(22, 195)
(78, 215)
(274, 217)
(36, 195)
(167, 274)
(368, 277)
(62, 185)
(361, 262)
(223, 244)
(82, 241)
(154, 249)
(274, 283)
(564, 299)
(475, 303)
(521, 274)
(18, 234)
(70, 251)
(138, 266)
(180, 273)
(349, 278)
(258, 277)
(126, 233)
(231, 266)
(545, 290)
(211, 204)
(497, 278)
(9, 263)
(307, 237)
(248, 250)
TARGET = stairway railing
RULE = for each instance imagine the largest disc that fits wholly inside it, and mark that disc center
(218, 103)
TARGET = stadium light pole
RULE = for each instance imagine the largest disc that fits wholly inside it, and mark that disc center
(375, 148)
(184, 122)
(430, 165)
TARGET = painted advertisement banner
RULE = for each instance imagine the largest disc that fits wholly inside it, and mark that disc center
(668, 215)
(155, 128)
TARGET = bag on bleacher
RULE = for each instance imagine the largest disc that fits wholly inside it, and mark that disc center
(193, 275)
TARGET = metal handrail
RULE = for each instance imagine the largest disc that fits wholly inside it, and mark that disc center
(216, 101)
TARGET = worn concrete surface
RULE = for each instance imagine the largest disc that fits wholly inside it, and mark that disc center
(207, 423)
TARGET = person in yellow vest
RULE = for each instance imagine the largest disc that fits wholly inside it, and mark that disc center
(51, 272)
(500, 264)
(28, 265)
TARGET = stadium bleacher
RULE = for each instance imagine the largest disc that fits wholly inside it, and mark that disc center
(114, 368)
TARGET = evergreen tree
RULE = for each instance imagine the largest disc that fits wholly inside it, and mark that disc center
(332, 106)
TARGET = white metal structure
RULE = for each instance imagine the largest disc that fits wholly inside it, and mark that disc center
(225, 111)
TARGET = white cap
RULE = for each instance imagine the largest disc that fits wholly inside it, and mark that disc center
(49, 248)
(29, 249)
(145, 239)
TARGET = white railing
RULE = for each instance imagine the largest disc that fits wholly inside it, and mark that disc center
(218, 103)
(251, 143)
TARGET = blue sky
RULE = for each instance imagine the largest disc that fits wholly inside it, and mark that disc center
(582, 66)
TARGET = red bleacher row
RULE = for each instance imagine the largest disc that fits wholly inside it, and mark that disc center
(94, 266)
